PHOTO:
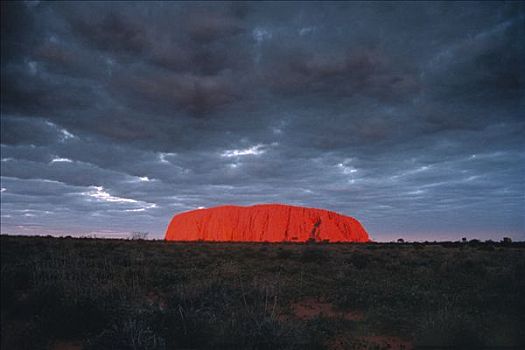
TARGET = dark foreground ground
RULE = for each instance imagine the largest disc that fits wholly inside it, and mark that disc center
(65, 293)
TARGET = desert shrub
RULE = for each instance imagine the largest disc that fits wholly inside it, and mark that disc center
(359, 260)
(320, 330)
(163, 278)
(223, 316)
(21, 279)
(133, 332)
(39, 303)
(9, 287)
(74, 319)
(184, 326)
(284, 253)
(138, 235)
(28, 337)
(506, 240)
(314, 255)
(472, 267)
(418, 246)
(251, 254)
(451, 328)
(249, 331)
(487, 247)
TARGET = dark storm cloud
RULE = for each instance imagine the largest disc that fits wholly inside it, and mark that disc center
(18, 30)
(341, 75)
(178, 92)
(408, 116)
(23, 131)
(112, 33)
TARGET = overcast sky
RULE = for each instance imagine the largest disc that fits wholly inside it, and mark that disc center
(407, 116)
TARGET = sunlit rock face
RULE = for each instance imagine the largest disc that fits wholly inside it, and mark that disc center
(265, 223)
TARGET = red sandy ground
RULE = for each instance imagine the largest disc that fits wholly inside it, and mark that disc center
(370, 342)
(310, 308)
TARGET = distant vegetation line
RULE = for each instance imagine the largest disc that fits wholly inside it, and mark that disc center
(148, 237)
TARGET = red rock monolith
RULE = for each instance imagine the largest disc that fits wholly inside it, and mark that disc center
(265, 223)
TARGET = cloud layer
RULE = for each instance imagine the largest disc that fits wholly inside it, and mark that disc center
(408, 116)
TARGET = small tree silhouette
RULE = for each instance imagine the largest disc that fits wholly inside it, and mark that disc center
(138, 235)
(400, 240)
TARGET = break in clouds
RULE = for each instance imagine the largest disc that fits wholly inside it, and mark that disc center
(407, 116)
